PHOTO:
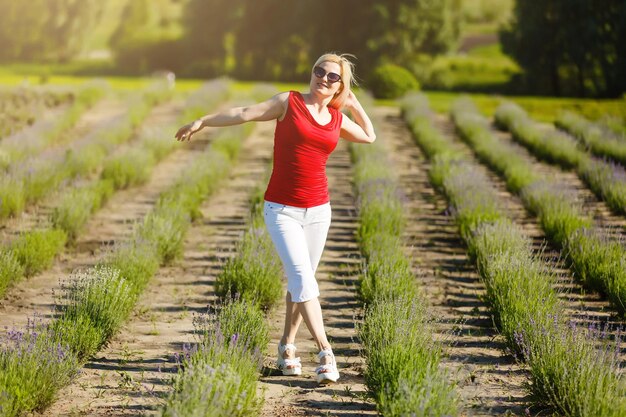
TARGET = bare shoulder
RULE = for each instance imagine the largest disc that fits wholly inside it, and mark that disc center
(283, 99)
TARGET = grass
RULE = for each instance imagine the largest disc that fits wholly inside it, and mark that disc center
(543, 109)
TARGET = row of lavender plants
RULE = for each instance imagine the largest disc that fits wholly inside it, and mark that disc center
(573, 369)
(36, 362)
(22, 106)
(605, 178)
(597, 260)
(403, 371)
(34, 178)
(599, 140)
(28, 143)
(218, 375)
(34, 251)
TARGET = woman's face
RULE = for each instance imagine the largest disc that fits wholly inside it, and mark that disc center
(323, 86)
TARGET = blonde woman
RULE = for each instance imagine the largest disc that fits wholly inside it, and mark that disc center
(297, 208)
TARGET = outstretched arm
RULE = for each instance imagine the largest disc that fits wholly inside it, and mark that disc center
(362, 131)
(267, 110)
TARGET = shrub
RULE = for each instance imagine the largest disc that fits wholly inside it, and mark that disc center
(10, 270)
(32, 360)
(77, 206)
(254, 273)
(392, 81)
(403, 369)
(35, 250)
(97, 303)
(130, 168)
(219, 375)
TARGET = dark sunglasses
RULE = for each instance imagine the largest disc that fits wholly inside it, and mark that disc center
(332, 77)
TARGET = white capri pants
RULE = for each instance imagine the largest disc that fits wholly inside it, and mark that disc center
(299, 235)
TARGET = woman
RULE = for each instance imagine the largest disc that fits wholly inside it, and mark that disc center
(297, 205)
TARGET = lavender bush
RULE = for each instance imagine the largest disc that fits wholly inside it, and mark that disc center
(32, 359)
(219, 374)
(403, 370)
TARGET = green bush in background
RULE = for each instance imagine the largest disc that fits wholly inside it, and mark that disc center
(392, 81)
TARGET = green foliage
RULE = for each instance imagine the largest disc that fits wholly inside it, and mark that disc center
(540, 39)
(395, 32)
(21, 106)
(99, 299)
(36, 250)
(600, 263)
(32, 359)
(11, 270)
(12, 198)
(519, 287)
(78, 205)
(254, 273)
(559, 213)
(403, 363)
(219, 375)
(572, 370)
(45, 30)
(236, 319)
(130, 168)
(391, 81)
(401, 356)
(594, 387)
(165, 227)
(607, 180)
(496, 11)
(550, 146)
(600, 140)
(136, 262)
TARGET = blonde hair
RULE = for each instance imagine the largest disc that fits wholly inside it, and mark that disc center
(347, 76)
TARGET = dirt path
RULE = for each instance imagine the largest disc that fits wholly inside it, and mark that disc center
(490, 381)
(113, 223)
(131, 376)
(337, 275)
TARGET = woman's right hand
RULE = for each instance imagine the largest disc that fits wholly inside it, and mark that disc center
(185, 132)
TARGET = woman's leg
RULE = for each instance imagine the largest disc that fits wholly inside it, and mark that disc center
(285, 227)
(299, 237)
(315, 235)
(293, 319)
(316, 232)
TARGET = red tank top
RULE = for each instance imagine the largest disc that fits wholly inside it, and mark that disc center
(301, 148)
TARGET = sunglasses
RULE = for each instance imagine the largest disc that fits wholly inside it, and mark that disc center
(319, 72)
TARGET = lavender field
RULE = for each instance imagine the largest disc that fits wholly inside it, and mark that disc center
(475, 265)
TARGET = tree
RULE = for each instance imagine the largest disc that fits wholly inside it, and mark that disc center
(45, 30)
(572, 47)
(275, 39)
(208, 26)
